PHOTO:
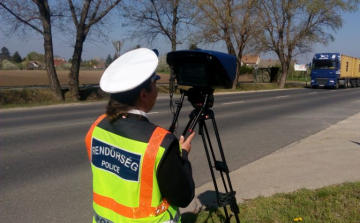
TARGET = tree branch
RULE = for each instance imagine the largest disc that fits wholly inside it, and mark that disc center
(20, 19)
(95, 20)
(73, 13)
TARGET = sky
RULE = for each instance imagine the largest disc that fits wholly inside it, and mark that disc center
(347, 41)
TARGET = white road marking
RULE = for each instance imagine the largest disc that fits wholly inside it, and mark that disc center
(235, 102)
(285, 96)
(313, 93)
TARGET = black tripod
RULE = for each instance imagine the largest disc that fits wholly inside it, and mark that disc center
(202, 100)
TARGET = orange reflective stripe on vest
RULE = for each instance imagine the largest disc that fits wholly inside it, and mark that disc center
(146, 185)
(89, 135)
(147, 171)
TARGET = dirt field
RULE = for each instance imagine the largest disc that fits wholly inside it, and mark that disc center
(14, 78)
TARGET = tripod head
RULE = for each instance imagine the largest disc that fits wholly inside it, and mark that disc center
(201, 97)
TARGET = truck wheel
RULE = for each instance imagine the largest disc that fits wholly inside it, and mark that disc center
(337, 85)
(352, 83)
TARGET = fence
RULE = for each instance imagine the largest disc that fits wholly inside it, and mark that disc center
(268, 75)
(302, 76)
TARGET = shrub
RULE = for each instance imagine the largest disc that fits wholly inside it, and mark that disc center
(7, 65)
(163, 66)
(65, 66)
(246, 70)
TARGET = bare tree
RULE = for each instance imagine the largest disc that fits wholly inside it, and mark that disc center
(167, 18)
(84, 14)
(228, 21)
(36, 16)
(293, 27)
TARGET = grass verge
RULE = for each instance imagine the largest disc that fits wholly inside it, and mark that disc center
(337, 203)
(28, 97)
(262, 86)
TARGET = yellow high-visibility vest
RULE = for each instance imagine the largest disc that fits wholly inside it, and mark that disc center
(125, 187)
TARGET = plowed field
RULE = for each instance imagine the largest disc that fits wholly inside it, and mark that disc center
(17, 78)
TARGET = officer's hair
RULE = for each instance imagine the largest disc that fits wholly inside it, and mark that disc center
(120, 103)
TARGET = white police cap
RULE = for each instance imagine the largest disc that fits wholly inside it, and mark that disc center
(130, 70)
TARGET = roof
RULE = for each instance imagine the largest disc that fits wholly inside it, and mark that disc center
(35, 63)
(58, 62)
(250, 59)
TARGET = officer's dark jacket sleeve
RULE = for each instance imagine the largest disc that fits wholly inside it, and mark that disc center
(175, 175)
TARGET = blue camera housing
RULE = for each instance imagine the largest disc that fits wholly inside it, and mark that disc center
(203, 68)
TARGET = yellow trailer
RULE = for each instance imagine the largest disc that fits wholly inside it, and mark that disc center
(350, 70)
(356, 73)
(347, 66)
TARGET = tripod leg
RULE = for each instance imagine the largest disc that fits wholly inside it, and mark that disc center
(232, 199)
(227, 198)
(226, 170)
(206, 139)
(218, 164)
(201, 132)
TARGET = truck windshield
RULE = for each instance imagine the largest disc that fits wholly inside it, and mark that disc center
(324, 64)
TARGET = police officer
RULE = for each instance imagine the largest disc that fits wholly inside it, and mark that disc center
(141, 172)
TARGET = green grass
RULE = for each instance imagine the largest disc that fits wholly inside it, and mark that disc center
(29, 97)
(332, 204)
(302, 79)
(261, 87)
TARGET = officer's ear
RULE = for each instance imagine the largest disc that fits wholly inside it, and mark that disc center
(143, 95)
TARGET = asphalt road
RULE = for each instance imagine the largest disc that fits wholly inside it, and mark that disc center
(45, 174)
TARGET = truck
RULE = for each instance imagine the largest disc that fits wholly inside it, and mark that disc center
(335, 70)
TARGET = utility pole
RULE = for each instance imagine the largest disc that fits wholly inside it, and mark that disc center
(117, 44)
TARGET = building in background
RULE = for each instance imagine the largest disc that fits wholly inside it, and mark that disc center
(250, 60)
(59, 62)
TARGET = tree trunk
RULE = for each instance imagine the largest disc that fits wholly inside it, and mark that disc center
(73, 78)
(285, 70)
(173, 44)
(236, 80)
(229, 44)
(50, 68)
(48, 48)
(175, 21)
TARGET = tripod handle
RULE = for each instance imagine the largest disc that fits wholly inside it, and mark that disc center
(197, 116)
(194, 118)
(188, 124)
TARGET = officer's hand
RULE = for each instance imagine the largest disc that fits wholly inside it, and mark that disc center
(186, 144)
